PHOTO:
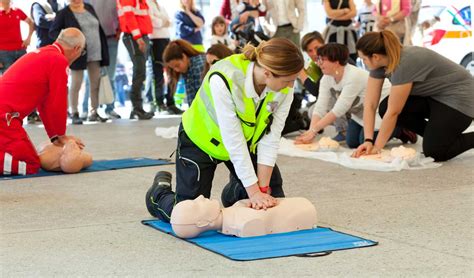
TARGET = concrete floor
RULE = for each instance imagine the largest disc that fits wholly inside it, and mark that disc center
(89, 224)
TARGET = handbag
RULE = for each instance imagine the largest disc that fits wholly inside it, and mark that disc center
(325, 32)
(106, 93)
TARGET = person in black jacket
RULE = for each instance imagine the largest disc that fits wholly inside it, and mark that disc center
(43, 14)
(82, 16)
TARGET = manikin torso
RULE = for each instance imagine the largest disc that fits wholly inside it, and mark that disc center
(68, 158)
(291, 214)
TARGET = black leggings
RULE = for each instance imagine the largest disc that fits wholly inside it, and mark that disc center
(440, 126)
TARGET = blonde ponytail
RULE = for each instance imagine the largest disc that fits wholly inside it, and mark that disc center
(278, 55)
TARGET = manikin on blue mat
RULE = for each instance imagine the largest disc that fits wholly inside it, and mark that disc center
(285, 230)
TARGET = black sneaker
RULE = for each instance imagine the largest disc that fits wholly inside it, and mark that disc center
(75, 119)
(95, 117)
(112, 115)
(141, 114)
(172, 109)
(161, 184)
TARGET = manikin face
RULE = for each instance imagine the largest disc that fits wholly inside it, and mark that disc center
(312, 49)
(327, 67)
(279, 83)
(199, 212)
(219, 29)
(179, 65)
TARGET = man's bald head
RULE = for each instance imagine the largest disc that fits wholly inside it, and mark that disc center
(71, 37)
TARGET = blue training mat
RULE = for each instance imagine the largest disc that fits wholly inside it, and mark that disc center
(102, 165)
(300, 243)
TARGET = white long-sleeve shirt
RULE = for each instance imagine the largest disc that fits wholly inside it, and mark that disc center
(158, 17)
(348, 95)
(231, 127)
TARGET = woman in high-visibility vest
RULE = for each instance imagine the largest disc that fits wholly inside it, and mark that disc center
(236, 118)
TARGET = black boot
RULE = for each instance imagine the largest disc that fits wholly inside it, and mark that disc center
(161, 184)
(140, 114)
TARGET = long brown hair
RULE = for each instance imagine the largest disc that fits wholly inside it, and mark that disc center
(176, 50)
(383, 43)
(309, 38)
(220, 51)
(278, 55)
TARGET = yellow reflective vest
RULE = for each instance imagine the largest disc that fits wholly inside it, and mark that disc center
(200, 120)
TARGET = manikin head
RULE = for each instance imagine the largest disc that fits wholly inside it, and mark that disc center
(193, 217)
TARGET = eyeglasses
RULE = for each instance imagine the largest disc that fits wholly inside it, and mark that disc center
(83, 52)
(320, 59)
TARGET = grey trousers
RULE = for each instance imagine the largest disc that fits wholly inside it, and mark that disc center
(286, 31)
(93, 71)
(139, 68)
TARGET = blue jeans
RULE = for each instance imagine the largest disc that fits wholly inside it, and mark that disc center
(8, 57)
(355, 134)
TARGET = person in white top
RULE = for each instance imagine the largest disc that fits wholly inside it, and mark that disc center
(288, 16)
(341, 92)
(220, 35)
(160, 37)
(236, 117)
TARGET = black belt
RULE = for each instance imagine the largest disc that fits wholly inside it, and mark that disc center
(285, 25)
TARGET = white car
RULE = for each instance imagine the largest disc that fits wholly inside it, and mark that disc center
(448, 30)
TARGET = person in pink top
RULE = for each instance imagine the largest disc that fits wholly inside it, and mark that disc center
(38, 80)
(12, 46)
(391, 15)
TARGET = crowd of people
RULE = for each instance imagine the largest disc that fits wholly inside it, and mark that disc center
(241, 97)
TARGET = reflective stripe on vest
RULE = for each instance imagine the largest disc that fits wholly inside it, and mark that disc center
(200, 120)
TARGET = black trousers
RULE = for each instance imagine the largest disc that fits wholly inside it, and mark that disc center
(157, 48)
(440, 126)
(194, 174)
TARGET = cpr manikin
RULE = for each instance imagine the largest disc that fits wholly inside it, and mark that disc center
(193, 217)
(69, 158)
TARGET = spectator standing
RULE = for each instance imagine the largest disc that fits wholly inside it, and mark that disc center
(340, 14)
(289, 17)
(365, 17)
(82, 16)
(43, 14)
(135, 23)
(108, 17)
(12, 46)
(189, 22)
(392, 15)
(160, 37)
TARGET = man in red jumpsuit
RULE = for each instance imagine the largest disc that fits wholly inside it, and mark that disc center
(38, 80)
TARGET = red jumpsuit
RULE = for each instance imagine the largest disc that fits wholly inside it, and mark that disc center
(37, 80)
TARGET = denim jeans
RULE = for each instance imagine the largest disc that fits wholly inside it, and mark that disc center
(8, 57)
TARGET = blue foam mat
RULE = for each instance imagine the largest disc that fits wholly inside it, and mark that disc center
(306, 242)
(102, 165)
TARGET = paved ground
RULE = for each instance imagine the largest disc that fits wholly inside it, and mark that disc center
(89, 224)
